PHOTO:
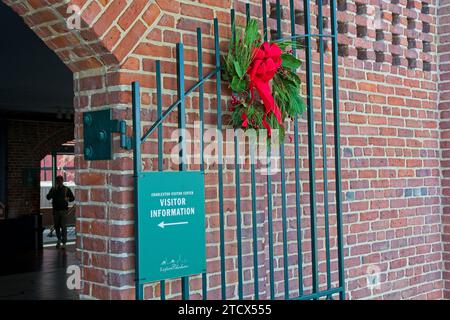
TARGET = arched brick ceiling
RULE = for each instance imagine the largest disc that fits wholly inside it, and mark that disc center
(32, 77)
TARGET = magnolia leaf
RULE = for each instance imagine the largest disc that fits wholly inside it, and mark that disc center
(238, 69)
(238, 85)
(294, 78)
(290, 62)
(283, 44)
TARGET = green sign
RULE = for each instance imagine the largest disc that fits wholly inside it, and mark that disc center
(171, 225)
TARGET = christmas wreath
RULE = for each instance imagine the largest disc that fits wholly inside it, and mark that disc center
(262, 77)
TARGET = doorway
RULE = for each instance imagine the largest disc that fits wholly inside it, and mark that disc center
(36, 120)
(60, 162)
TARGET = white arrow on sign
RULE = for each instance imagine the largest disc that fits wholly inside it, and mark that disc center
(163, 224)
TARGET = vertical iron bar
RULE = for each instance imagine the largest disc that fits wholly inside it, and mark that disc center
(159, 115)
(297, 172)
(238, 188)
(254, 214)
(270, 222)
(182, 138)
(278, 15)
(311, 148)
(201, 92)
(233, 25)
(247, 11)
(254, 220)
(269, 183)
(324, 144)
(337, 148)
(238, 215)
(54, 167)
(181, 106)
(283, 183)
(162, 283)
(284, 222)
(220, 159)
(264, 15)
(136, 105)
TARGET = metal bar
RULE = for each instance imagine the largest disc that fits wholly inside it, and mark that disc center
(162, 283)
(324, 145)
(181, 106)
(284, 222)
(337, 153)
(320, 294)
(233, 24)
(283, 184)
(238, 216)
(202, 145)
(136, 105)
(270, 223)
(176, 103)
(297, 173)
(54, 167)
(238, 188)
(254, 215)
(182, 137)
(254, 220)
(269, 183)
(311, 156)
(264, 15)
(278, 15)
(306, 35)
(159, 114)
(220, 164)
(247, 12)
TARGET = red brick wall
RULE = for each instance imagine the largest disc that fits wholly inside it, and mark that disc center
(28, 143)
(391, 154)
(444, 107)
(390, 144)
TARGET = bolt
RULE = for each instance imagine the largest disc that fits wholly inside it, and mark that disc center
(88, 151)
(87, 120)
(102, 135)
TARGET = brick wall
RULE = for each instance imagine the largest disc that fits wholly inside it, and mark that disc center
(390, 128)
(390, 142)
(28, 142)
(444, 106)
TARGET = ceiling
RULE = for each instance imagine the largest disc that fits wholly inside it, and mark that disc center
(32, 77)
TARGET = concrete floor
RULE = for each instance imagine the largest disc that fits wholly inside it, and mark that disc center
(37, 276)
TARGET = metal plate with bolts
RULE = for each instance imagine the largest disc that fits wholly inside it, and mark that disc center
(98, 135)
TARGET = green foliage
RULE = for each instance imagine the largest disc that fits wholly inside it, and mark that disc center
(290, 62)
(286, 84)
(240, 56)
(238, 85)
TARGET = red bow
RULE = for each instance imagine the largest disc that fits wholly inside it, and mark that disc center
(266, 61)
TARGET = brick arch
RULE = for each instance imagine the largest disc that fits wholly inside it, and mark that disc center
(109, 31)
(104, 59)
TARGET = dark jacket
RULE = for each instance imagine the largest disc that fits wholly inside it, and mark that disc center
(60, 196)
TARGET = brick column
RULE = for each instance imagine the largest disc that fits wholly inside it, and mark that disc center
(98, 55)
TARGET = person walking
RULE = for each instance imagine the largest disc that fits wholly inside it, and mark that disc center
(60, 196)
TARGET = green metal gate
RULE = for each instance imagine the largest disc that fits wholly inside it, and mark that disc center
(318, 271)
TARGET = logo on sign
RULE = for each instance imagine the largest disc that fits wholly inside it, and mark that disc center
(173, 264)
